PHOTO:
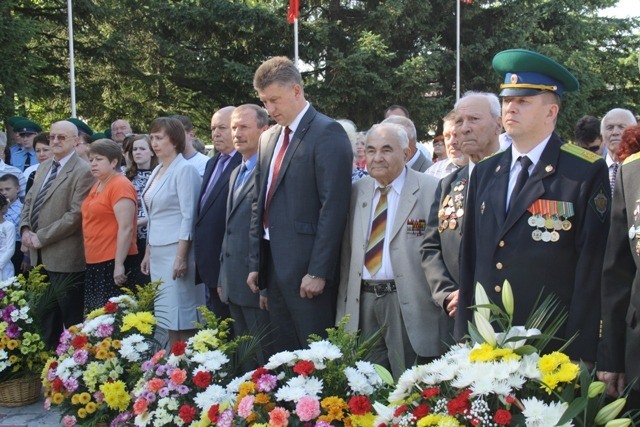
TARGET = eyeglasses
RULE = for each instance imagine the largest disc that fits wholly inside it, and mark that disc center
(61, 138)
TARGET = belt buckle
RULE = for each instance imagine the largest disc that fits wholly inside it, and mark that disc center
(384, 291)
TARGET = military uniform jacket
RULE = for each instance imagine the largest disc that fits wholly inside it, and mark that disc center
(441, 246)
(621, 279)
(498, 246)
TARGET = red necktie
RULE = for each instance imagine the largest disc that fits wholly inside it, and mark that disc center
(274, 176)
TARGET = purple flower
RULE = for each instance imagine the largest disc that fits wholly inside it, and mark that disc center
(182, 389)
(51, 375)
(2, 294)
(104, 331)
(161, 370)
(71, 384)
(267, 382)
(80, 356)
(6, 313)
(13, 331)
(147, 366)
(225, 418)
(163, 392)
(149, 396)
(121, 419)
(323, 424)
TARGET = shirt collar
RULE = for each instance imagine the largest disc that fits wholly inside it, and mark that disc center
(250, 163)
(294, 124)
(397, 183)
(533, 155)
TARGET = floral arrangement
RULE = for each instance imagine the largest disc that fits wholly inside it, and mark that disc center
(324, 385)
(22, 302)
(500, 379)
(186, 386)
(98, 361)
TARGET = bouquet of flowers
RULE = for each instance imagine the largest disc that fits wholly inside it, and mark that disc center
(98, 361)
(324, 385)
(22, 302)
(500, 379)
(187, 385)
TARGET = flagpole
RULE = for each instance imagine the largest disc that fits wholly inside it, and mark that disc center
(295, 42)
(72, 68)
(457, 50)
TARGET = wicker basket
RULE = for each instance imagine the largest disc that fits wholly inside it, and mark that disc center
(20, 392)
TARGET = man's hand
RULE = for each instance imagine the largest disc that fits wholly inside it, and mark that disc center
(614, 382)
(35, 241)
(26, 239)
(264, 305)
(451, 303)
(252, 282)
(310, 288)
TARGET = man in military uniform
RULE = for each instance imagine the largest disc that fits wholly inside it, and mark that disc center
(620, 344)
(538, 212)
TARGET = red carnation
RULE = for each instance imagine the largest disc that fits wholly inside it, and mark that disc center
(359, 405)
(214, 413)
(258, 373)
(430, 392)
(421, 411)
(79, 341)
(202, 379)
(53, 365)
(400, 410)
(304, 368)
(510, 399)
(502, 417)
(187, 413)
(177, 349)
(460, 404)
(110, 307)
(57, 385)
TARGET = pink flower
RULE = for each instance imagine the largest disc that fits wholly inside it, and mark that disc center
(104, 331)
(267, 382)
(80, 356)
(307, 408)
(245, 407)
(155, 384)
(71, 384)
(140, 406)
(159, 355)
(98, 396)
(47, 403)
(68, 421)
(279, 417)
(178, 376)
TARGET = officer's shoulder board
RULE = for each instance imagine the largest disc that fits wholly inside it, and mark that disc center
(491, 155)
(631, 158)
(580, 152)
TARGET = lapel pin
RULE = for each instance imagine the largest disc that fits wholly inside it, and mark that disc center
(498, 168)
(482, 208)
(549, 168)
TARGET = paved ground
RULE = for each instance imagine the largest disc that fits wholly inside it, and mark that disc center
(28, 416)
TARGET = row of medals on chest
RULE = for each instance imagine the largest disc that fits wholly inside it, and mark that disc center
(634, 230)
(452, 207)
(549, 217)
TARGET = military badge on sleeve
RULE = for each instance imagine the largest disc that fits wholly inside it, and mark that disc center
(599, 202)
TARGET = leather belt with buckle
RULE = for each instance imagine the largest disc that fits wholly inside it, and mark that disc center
(379, 288)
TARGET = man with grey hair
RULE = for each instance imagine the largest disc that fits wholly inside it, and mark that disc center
(119, 130)
(51, 227)
(455, 157)
(382, 283)
(416, 160)
(611, 128)
(300, 210)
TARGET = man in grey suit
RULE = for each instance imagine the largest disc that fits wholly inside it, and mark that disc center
(477, 127)
(416, 159)
(382, 282)
(248, 310)
(303, 184)
(51, 227)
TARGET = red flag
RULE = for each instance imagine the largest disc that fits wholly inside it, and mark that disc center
(292, 14)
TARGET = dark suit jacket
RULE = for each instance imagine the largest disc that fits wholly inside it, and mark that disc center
(234, 263)
(441, 247)
(497, 246)
(620, 342)
(310, 203)
(210, 222)
(60, 220)
(422, 163)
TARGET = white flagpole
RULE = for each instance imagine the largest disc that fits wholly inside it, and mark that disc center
(72, 68)
(295, 42)
(457, 50)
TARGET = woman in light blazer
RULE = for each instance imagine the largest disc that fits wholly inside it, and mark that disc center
(170, 198)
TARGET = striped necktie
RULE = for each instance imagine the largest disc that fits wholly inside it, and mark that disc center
(613, 172)
(37, 205)
(373, 256)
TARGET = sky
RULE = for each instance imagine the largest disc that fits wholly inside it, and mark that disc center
(624, 9)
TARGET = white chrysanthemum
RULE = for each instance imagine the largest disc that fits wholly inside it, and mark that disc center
(21, 314)
(9, 282)
(162, 418)
(300, 386)
(91, 325)
(283, 358)
(366, 368)
(3, 355)
(234, 384)
(516, 381)
(529, 366)
(143, 419)
(211, 361)
(212, 395)
(67, 369)
(319, 352)
(358, 381)
(124, 299)
(540, 414)
(133, 347)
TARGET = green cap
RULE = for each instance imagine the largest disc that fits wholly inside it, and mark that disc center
(528, 73)
(107, 132)
(26, 126)
(98, 135)
(82, 126)
(12, 120)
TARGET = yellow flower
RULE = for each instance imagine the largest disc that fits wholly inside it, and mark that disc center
(91, 407)
(116, 395)
(95, 313)
(143, 321)
(335, 408)
(14, 359)
(82, 413)
(262, 398)
(102, 354)
(438, 420)
(366, 420)
(75, 399)
(85, 398)
(12, 344)
(246, 388)
(556, 368)
(486, 353)
(57, 398)
(116, 344)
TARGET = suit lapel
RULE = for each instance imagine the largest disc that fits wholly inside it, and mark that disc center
(247, 188)
(363, 211)
(534, 188)
(62, 176)
(406, 203)
(497, 188)
(163, 179)
(222, 181)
